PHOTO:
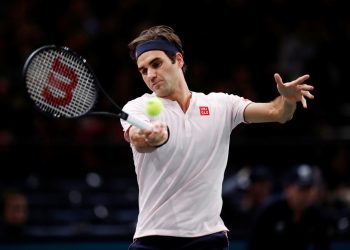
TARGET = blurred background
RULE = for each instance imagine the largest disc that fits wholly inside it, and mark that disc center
(74, 179)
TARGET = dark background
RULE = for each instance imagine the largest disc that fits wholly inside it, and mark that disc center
(233, 46)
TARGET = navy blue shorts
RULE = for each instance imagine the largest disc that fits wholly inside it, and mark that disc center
(216, 241)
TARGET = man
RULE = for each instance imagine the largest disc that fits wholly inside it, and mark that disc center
(180, 162)
(14, 205)
(243, 193)
(293, 219)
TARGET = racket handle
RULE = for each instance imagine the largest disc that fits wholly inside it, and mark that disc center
(138, 123)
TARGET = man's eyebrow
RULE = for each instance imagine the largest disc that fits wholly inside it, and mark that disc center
(153, 60)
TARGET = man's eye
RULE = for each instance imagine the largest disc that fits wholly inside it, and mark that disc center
(156, 65)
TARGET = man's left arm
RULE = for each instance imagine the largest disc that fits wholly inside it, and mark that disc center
(282, 108)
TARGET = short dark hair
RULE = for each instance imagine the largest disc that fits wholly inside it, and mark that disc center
(303, 175)
(161, 32)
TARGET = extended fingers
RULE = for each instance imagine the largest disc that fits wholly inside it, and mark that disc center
(302, 79)
(278, 79)
(303, 101)
(307, 94)
(305, 87)
(299, 81)
(297, 88)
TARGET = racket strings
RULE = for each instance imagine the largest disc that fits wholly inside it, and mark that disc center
(61, 84)
(85, 90)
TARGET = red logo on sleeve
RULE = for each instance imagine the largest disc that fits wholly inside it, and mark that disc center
(204, 110)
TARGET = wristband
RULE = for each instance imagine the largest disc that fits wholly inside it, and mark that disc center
(166, 139)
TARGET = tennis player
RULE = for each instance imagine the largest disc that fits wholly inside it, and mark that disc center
(180, 162)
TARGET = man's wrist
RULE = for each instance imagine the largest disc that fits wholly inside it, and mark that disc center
(290, 101)
(167, 139)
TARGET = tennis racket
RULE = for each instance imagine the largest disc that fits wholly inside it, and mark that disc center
(62, 84)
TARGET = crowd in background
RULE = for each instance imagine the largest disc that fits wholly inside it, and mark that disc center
(230, 46)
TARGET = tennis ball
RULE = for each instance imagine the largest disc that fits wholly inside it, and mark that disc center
(153, 106)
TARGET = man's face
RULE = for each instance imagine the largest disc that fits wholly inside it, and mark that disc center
(16, 209)
(301, 198)
(158, 72)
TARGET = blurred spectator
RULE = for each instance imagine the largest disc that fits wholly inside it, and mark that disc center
(14, 208)
(243, 194)
(293, 219)
(337, 173)
(337, 177)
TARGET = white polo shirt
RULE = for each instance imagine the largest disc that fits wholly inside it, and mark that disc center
(180, 183)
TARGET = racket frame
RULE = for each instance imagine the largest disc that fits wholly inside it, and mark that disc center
(90, 111)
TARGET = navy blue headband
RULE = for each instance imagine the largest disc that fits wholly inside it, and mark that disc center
(159, 44)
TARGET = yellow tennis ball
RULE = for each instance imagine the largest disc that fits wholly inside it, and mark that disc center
(153, 106)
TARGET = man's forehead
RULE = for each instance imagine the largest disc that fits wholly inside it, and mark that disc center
(149, 56)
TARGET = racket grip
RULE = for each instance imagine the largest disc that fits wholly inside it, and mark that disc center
(138, 123)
